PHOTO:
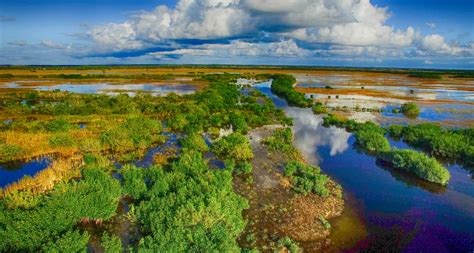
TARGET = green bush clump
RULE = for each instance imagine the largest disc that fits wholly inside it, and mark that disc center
(46, 224)
(306, 179)
(281, 140)
(371, 139)
(134, 184)
(411, 110)
(319, 108)
(111, 243)
(238, 122)
(189, 207)
(71, 241)
(289, 244)
(134, 133)
(9, 152)
(418, 163)
(244, 168)
(451, 144)
(194, 141)
(58, 125)
(234, 146)
(61, 140)
(282, 85)
(333, 120)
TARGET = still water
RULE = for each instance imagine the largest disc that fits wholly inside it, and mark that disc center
(113, 89)
(12, 172)
(388, 209)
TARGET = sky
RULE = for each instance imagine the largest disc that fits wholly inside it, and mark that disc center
(360, 33)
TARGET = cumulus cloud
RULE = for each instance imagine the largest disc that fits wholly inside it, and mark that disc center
(431, 25)
(18, 43)
(53, 45)
(284, 48)
(277, 28)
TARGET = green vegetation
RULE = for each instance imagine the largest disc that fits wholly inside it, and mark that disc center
(410, 110)
(289, 244)
(188, 207)
(235, 147)
(307, 179)
(418, 163)
(50, 222)
(370, 139)
(111, 244)
(319, 108)
(282, 86)
(428, 75)
(8, 152)
(134, 133)
(450, 144)
(325, 222)
(281, 140)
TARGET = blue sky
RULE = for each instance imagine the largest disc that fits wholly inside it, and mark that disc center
(402, 33)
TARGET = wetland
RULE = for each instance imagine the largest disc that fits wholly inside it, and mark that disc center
(234, 159)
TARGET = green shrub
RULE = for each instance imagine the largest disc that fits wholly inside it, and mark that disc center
(95, 197)
(282, 85)
(370, 138)
(9, 152)
(111, 244)
(61, 140)
(410, 110)
(244, 168)
(190, 208)
(319, 108)
(281, 140)
(419, 164)
(289, 244)
(58, 125)
(306, 179)
(194, 141)
(22, 199)
(234, 146)
(133, 181)
(134, 133)
(452, 144)
(71, 241)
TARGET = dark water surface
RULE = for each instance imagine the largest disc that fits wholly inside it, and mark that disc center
(12, 172)
(389, 209)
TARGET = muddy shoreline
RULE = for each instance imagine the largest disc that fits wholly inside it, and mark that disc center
(275, 209)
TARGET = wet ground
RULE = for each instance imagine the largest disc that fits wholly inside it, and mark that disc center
(108, 88)
(275, 209)
(448, 101)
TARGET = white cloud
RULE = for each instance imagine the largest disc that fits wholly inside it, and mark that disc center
(436, 44)
(53, 45)
(18, 43)
(284, 48)
(349, 27)
(431, 25)
(428, 62)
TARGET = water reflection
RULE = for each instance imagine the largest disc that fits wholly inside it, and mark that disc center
(113, 89)
(399, 210)
(310, 134)
(14, 171)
